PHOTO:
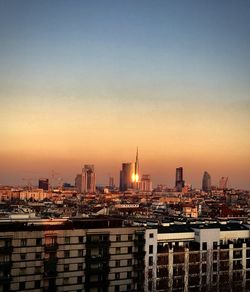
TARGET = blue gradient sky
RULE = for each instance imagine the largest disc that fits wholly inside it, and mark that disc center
(88, 81)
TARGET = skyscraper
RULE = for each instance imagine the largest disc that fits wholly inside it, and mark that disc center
(111, 182)
(179, 182)
(88, 179)
(126, 176)
(129, 175)
(146, 183)
(206, 182)
(136, 171)
(43, 184)
(78, 183)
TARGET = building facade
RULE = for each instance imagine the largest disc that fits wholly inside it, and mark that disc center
(60, 255)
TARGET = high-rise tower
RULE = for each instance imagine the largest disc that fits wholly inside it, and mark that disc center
(88, 179)
(136, 170)
(179, 182)
(206, 182)
(126, 176)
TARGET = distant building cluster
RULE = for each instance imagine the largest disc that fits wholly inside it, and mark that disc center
(131, 237)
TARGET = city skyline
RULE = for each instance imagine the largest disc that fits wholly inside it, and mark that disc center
(87, 82)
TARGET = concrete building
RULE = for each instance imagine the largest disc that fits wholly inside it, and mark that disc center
(61, 255)
(203, 257)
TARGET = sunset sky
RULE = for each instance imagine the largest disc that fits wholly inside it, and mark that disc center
(86, 82)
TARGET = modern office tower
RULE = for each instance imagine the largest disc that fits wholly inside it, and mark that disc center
(126, 176)
(179, 182)
(88, 179)
(145, 183)
(73, 255)
(43, 184)
(206, 182)
(78, 183)
(111, 182)
(223, 183)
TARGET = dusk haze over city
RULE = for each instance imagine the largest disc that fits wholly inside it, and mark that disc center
(89, 81)
(125, 145)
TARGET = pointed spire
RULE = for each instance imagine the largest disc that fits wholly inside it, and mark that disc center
(137, 162)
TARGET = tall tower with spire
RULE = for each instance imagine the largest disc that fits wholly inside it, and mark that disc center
(137, 166)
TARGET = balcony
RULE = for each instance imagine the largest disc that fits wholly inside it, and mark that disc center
(5, 266)
(97, 258)
(139, 254)
(50, 268)
(5, 278)
(50, 274)
(6, 249)
(97, 269)
(51, 247)
(139, 242)
(97, 284)
(139, 267)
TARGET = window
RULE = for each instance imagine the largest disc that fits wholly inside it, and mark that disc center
(39, 241)
(66, 268)
(80, 239)
(118, 237)
(204, 245)
(117, 288)
(130, 249)
(38, 256)
(215, 267)
(118, 250)
(130, 237)
(128, 287)
(65, 281)
(22, 256)
(66, 253)
(22, 271)
(67, 240)
(150, 261)
(117, 276)
(129, 262)
(117, 263)
(151, 248)
(129, 274)
(215, 244)
(37, 284)
(151, 235)
(22, 286)
(80, 267)
(23, 242)
(37, 270)
(80, 253)
(79, 280)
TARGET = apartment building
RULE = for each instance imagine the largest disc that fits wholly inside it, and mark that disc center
(202, 257)
(79, 255)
